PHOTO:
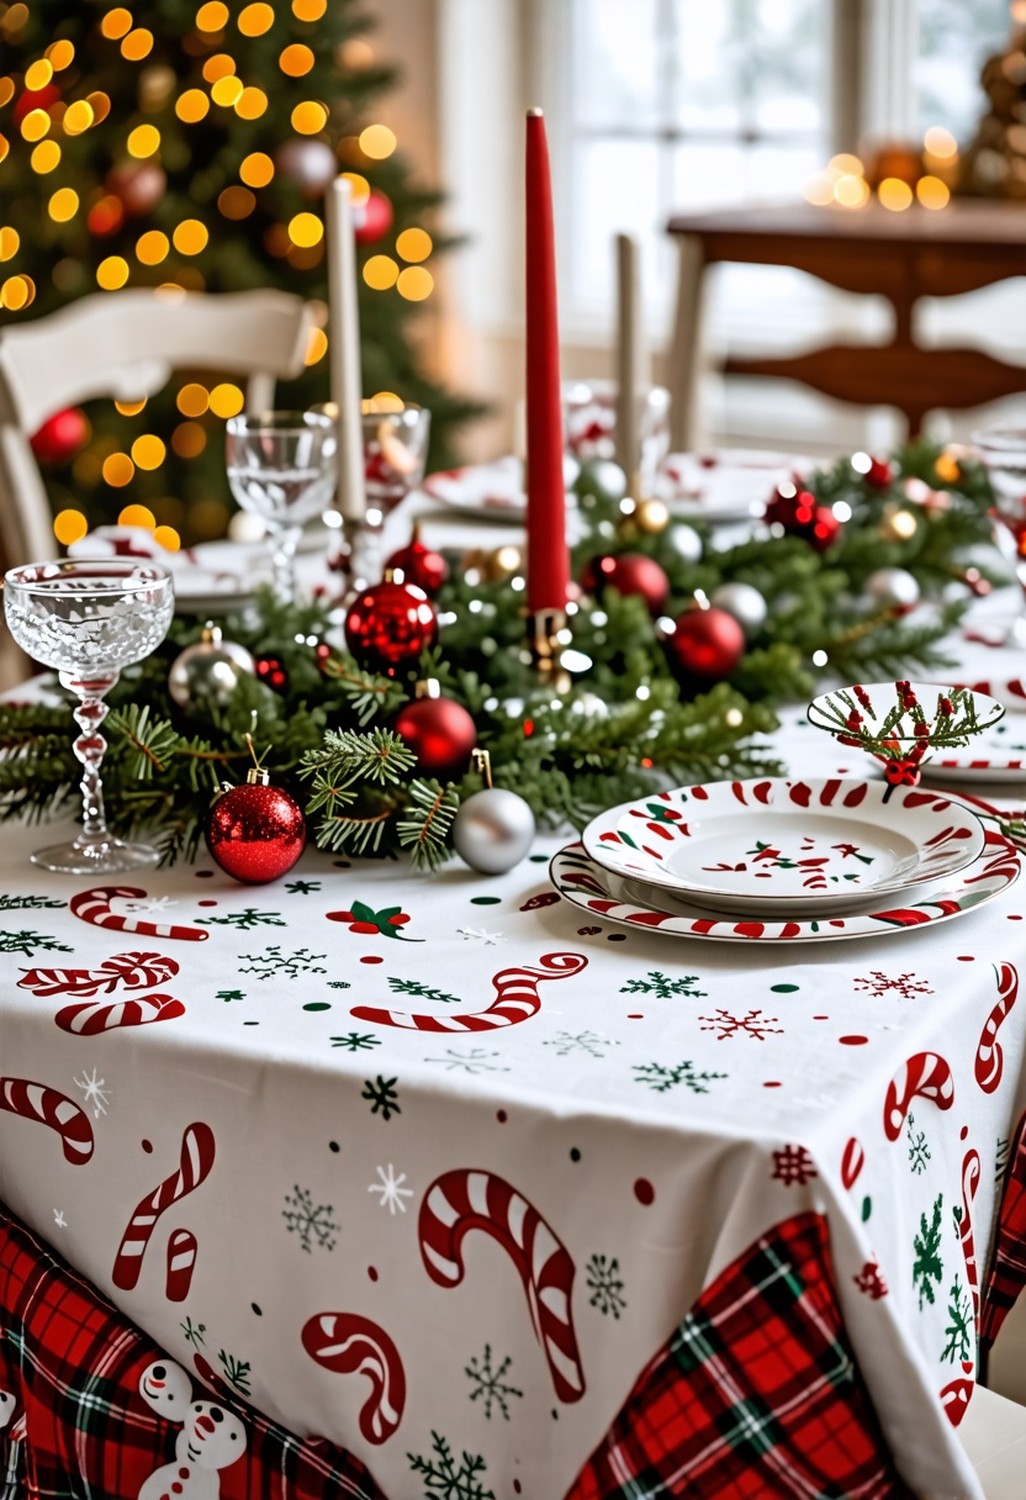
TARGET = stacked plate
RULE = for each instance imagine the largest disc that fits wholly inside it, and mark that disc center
(771, 859)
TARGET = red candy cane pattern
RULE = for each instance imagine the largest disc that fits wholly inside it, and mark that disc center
(89, 1019)
(197, 1158)
(181, 1262)
(924, 1076)
(130, 971)
(955, 1398)
(852, 1162)
(349, 1344)
(970, 1182)
(37, 1101)
(94, 906)
(464, 1199)
(990, 1061)
(516, 999)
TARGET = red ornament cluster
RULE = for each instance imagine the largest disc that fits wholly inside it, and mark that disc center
(799, 513)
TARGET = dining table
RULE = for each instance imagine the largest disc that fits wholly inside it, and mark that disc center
(381, 1183)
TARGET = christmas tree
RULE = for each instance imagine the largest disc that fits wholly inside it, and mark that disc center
(190, 143)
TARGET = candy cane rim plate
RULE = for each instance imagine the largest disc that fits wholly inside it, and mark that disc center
(989, 757)
(775, 844)
(628, 903)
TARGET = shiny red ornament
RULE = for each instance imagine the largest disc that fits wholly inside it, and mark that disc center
(389, 625)
(427, 569)
(61, 436)
(375, 221)
(879, 475)
(629, 573)
(706, 644)
(799, 513)
(31, 99)
(440, 733)
(825, 528)
(272, 673)
(256, 831)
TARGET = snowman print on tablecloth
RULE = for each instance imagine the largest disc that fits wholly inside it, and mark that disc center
(211, 1438)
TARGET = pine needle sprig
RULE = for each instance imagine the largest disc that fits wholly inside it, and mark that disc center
(425, 827)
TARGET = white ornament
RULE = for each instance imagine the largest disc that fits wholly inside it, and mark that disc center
(895, 587)
(493, 830)
(744, 602)
(686, 542)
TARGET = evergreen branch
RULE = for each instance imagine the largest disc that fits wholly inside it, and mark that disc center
(424, 831)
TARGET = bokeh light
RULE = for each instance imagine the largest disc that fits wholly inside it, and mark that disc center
(251, 103)
(192, 106)
(148, 451)
(99, 103)
(940, 143)
(358, 186)
(136, 515)
(167, 537)
(296, 59)
(317, 348)
(45, 157)
(61, 55)
(118, 470)
(256, 19)
(193, 399)
(226, 400)
(309, 10)
(226, 90)
(63, 205)
(932, 192)
(78, 117)
(189, 439)
(381, 272)
(306, 229)
(10, 242)
(17, 292)
(851, 191)
(35, 125)
(137, 45)
(112, 273)
(143, 141)
(894, 194)
(6, 90)
(190, 237)
(309, 117)
(5, 147)
(69, 526)
(106, 215)
(415, 283)
(130, 408)
(38, 74)
(256, 169)
(414, 245)
(218, 66)
(377, 142)
(152, 247)
(236, 202)
(116, 23)
(212, 17)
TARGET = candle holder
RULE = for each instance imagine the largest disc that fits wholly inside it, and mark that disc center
(546, 637)
(902, 724)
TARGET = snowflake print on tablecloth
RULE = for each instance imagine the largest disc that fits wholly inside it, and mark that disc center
(661, 1078)
(385, 923)
(193, 1332)
(59, 1221)
(918, 1151)
(420, 991)
(960, 1331)
(311, 1221)
(339, 984)
(382, 1095)
(663, 987)
(449, 1479)
(588, 1042)
(273, 962)
(870, 1281)
(27, 942)
(488, 1385)
(244, 920)
(904, 986)
(927, 1266)
(94, 1092)
(356, 1041)
(302, 887)
(793, 1166)
(21, 903)
(391, 1189)
(229, 995)
(480, 935)
(236, 1372)
(602, 1274)
(726, 1024)
(474, 1060)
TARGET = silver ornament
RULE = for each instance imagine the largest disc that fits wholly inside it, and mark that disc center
(206, 674)
(685, 541)
(744, 602)
(309, 164)
(493, 830)
(893, 586)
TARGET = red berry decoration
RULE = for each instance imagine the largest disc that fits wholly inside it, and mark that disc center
(271, 672)
(60, 437)
(376, 220)
(389, 625)
(256, 831)
(879, 475)
(706, 644)
(799, 513)
(629, 573)
(427, 569)
(440, 733)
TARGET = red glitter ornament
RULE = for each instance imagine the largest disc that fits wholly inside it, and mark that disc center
(389, 625)
(629, 573)
(427, 569)
(256, 831)
(376, 219)
(706, 644)
(61, 436)
(440, 733)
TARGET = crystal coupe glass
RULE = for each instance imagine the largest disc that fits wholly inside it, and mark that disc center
(283, 466)
(89, 618)
(1002, 451)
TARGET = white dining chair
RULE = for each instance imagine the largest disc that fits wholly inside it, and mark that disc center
(125, 345)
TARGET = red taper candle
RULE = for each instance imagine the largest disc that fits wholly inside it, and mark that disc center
(548, 561)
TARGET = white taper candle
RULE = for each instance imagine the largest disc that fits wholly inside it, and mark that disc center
(344, 347)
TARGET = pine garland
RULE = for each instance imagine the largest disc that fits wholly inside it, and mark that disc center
(627, 727)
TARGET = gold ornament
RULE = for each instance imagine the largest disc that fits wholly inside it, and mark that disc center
(897, 524)
(651, 516)
(493, 564)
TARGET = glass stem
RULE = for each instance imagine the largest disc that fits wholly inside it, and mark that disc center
(283, 563)
(90, 748)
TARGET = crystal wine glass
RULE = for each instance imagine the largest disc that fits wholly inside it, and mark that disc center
(1002, 451)
(282, 466)
(87, 618)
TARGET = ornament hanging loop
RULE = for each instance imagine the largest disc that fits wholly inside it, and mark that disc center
(482, 763)
(256, 775)
(547, 634)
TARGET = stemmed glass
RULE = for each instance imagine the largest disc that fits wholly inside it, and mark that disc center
(88, 619)
(282, 466)
(1002, 451)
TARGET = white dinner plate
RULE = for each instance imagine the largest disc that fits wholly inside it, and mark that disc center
(495, 489)
(770, 844)
(600, 893)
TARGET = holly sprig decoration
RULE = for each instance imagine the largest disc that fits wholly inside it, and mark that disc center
(903, 733)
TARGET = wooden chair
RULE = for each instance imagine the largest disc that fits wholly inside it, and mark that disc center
(125, 345)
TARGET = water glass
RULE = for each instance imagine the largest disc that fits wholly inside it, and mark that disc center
(87, 619)
(1002, 451)
(283, 467)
